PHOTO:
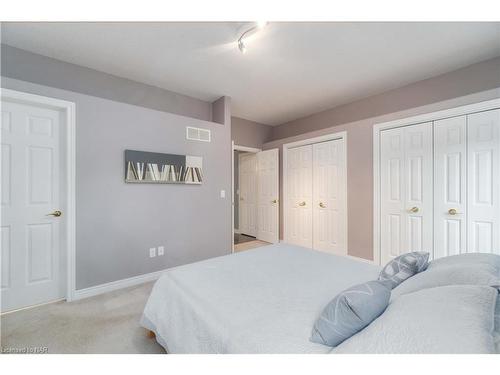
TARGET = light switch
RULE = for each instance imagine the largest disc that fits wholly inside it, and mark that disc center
(223, 194)
(152, 252)
(161, 250)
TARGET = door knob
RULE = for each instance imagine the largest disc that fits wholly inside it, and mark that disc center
(322, 205)
(55, 213)
(274, 201)
(414, 210)
(302, 204)
(452, 211)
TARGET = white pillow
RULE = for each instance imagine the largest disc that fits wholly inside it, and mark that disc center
(460, 274)
(449, 319)
(471, 259)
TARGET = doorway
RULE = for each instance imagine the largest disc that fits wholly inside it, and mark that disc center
(38, 207)
(255, 197)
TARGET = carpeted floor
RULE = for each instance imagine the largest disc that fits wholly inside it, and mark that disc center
(108, 323)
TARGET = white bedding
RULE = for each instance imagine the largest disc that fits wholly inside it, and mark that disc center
(259, 301)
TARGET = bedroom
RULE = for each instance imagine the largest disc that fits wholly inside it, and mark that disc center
(175, 187)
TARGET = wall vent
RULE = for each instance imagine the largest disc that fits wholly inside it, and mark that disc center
(198, 134)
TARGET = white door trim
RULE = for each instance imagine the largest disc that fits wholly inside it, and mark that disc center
(324, 138)
(427, 117)
(234, 148)
(68, 109)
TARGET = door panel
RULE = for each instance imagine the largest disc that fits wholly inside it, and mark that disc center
(30, 191)
(299, 196)
(392, 186)
(329, 197)
(248, 194)
(419, 183)
(406, 190)
(483, 161)
(267, 195)
(450, 147)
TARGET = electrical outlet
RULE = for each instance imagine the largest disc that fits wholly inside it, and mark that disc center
(161, 251)
(152, 252)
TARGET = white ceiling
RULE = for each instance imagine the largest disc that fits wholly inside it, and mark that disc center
(289, 71)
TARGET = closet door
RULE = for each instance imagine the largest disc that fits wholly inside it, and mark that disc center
(329, 197)
(406, 190)
(450, 138)
(248, 194)
(483, 161)
(419, 187)
(267, 195)
(299, 196)
(392, 199)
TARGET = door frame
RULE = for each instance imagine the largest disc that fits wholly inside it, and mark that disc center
(408, 121)
(67, 109)
(234, 148)
(309, 141)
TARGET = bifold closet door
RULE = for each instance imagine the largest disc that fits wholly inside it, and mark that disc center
(267, 195)
(328, 197)
(483, 182)
(406, 190)
(248, 194)
(450, 190)
(299, 196)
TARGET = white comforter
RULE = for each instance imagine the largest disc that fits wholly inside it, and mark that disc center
(259, 301)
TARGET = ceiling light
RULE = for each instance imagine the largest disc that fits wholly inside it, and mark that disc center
(258, 26)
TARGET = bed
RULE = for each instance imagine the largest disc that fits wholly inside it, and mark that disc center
(259, 301)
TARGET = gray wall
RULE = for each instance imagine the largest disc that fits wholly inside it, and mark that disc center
(117, 223)
(443, 92)
(249, 133)
(31, 67)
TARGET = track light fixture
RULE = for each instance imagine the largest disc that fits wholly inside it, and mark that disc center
(241, 42)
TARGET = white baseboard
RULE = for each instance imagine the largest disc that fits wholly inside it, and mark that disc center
(115, 285)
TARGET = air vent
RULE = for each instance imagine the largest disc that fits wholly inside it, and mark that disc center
(197, 134)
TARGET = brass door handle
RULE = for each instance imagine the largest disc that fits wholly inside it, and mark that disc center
(274, 201)
(322, 205)
(414, 210)
(302, 204)
(55, 213)
(452, 211)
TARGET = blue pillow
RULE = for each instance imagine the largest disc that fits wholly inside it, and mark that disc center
(349, 312)
(403, 267)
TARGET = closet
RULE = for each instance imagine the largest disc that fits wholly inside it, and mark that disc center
(439, 186)
(316, 197)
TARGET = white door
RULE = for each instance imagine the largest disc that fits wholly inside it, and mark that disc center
(299, 196)
(329, 197)
(483, 161)
(450, 190)
(406, 167)
(31, 260)
(248, 194)
(267, 195)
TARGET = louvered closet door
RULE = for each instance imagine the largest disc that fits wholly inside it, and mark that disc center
(450, 190)
(483, 161)
(299, 196)
(329, 197)
(406, 190)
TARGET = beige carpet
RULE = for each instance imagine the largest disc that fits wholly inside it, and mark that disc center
(108, 323)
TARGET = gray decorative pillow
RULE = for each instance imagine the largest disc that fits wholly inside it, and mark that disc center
(349, 312)
(402, 267)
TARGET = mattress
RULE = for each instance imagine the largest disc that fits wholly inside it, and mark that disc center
(264, 300)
